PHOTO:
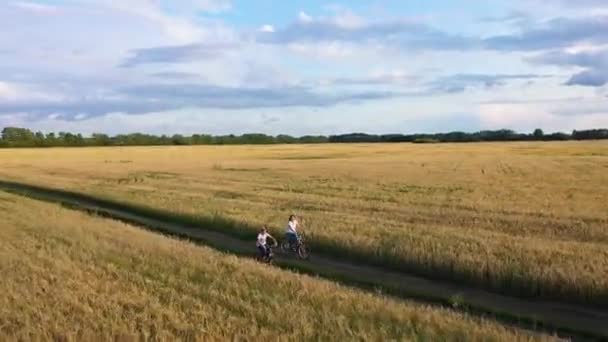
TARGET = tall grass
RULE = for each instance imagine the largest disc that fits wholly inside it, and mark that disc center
(69, 276)
(527, 219)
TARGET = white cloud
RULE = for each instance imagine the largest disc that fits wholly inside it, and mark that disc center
(349, 20)
(9, 92)
(304, 18)
(62, 69)
(180, 8)
(325, 50)
(18, 93)
(14, 120)
(550, 116)
(35, 8)
(80, 116)
(267, 28)
(181, 26)
(378, 77)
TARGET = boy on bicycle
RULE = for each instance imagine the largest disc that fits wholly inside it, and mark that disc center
(261, 242)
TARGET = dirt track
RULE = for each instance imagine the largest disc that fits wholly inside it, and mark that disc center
(567, 319)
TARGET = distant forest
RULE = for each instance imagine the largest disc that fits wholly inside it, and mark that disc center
(22, 137)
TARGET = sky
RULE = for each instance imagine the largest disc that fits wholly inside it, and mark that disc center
(303, 67)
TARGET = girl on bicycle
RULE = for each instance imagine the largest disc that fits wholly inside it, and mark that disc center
(292, 230)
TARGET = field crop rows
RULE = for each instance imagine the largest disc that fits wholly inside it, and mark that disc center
(528, 219)
(69, 276)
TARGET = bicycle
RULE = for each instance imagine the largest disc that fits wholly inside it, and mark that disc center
(300, 248)
(268, 258)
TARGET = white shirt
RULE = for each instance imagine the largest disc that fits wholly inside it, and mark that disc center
(292, 227)
(262, 239)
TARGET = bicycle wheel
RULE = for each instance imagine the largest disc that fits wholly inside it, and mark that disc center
(285, 247)
(303, 252)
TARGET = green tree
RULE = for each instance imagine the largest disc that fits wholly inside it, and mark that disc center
(201, 139)
(98, 139)
(39, 139)
(51, 139)
(18, 137)
(179, 139)
(538, 133)
(285, 139)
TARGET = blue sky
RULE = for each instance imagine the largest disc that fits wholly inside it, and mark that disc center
(303, 67)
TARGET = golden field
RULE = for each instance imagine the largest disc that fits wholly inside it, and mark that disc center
(529, 219)
(71, 277)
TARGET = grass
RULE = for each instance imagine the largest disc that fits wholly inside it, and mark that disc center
(520, 218)
(69, 276)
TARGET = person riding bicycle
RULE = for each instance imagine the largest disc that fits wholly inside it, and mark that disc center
(261, 242)
(292, 231)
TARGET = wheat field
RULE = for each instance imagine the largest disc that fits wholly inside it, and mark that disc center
(529, 219)
(72, 277)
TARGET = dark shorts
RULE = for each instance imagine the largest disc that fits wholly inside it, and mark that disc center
(292, 238)
(263, 251)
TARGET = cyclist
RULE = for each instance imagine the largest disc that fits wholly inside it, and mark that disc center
(292, 231)
(261, 242)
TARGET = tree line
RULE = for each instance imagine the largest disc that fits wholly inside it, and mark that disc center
(496, 135)
(23, 137)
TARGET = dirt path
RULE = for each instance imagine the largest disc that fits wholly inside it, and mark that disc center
(566, 319)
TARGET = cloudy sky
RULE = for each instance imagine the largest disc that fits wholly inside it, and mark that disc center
(303, 67)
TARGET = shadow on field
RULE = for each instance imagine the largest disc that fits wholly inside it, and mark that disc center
(338, 264)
